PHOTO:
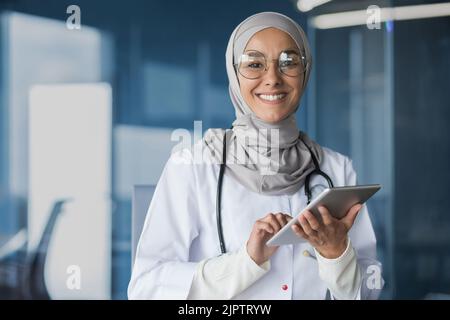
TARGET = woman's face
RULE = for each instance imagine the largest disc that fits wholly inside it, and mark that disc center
(275, 95)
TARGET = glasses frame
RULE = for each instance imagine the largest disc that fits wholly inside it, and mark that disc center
(267, 61)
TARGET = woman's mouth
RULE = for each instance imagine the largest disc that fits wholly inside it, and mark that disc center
(272, 98)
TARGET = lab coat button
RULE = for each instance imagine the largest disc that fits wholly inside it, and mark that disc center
(284, 287)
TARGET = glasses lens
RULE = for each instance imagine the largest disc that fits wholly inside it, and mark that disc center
(252, 64)
(291, 64)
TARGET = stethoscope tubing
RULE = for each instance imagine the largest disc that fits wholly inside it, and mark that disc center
(220, 183)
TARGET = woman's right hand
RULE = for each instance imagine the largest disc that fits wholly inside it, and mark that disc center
(262, 231)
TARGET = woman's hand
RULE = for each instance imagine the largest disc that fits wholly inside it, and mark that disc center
(329, 236)
(262, 231)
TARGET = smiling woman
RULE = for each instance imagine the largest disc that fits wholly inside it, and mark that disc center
(257, 180)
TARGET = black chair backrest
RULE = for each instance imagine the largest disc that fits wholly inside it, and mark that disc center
(33, 282)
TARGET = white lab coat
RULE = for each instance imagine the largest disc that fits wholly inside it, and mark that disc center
(180, 230)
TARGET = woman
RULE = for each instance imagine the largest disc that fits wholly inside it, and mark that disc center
(267, 161)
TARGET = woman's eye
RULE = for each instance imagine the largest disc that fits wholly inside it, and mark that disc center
(255, 65)
(288, 64)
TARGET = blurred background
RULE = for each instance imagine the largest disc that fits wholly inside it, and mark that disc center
(87, 113)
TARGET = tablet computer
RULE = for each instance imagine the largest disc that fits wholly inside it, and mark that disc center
(338, 201)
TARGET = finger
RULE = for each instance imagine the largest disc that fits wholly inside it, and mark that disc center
(306, 227)
(273, 221)
(282, 219)
(299, 231)
(264, 226)
(313, 222)
(327, 218)
(350, 217)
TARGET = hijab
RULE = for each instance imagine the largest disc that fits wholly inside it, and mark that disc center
(267, 158)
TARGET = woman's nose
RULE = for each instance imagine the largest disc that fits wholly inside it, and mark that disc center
(272, 75)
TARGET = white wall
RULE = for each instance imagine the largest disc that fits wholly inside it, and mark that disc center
(70, 157)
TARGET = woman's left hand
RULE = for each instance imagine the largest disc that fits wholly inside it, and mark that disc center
(329, 236)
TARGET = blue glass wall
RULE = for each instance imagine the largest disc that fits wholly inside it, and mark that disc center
(422, 156)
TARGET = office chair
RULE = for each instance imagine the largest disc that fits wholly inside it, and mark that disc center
(142, 196)
(33, 281)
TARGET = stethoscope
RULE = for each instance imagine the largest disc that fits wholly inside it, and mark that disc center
(308, 192)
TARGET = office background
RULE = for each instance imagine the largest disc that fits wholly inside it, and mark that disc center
(380, 96)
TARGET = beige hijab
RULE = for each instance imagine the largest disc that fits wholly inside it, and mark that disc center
(268, 158)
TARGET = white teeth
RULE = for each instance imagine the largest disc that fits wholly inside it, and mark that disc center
(272, 97)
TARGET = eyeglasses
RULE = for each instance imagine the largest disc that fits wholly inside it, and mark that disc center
(253, 64)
